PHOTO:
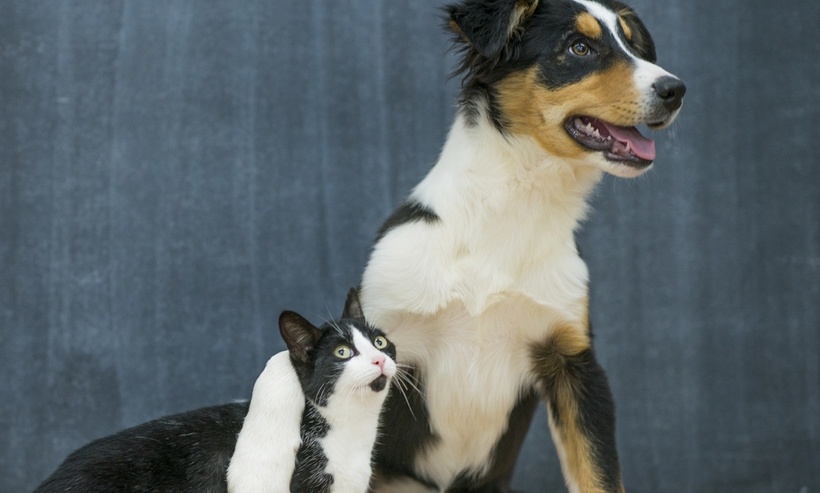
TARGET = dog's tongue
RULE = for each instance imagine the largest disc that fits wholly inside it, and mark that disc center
(639, 145)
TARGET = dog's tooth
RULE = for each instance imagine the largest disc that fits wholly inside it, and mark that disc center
(578, 123)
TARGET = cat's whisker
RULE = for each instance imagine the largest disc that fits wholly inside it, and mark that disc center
(403, 382)
(403, 374)
(401, 390)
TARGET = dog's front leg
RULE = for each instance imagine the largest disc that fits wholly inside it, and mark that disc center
(581, 410)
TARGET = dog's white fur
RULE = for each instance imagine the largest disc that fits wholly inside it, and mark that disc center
(463, 296)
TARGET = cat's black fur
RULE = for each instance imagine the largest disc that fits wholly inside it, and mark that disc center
(190, 452)
(183, 453)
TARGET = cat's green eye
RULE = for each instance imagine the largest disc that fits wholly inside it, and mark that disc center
(380, 342)
(343, 352)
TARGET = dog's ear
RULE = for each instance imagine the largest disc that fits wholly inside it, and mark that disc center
(300, 335)
(487, 25)
(353, 306)
(636, 32)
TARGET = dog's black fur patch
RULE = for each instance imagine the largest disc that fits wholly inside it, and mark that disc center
(408, 212)
(411, 417)
(596, 407)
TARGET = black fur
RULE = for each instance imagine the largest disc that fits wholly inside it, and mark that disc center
(409, 414)
(190, 452)
(542, 39)
(183, 453)
(318, 370)
(592, 398)
(311, 461)
(641, 41)
(407, 212)
(487, 25)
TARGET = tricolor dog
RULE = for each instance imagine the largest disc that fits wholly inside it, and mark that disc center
(476, 276)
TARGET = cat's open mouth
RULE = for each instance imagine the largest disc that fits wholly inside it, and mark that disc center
(378, 384)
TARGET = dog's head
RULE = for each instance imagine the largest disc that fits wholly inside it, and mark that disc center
(576, 75)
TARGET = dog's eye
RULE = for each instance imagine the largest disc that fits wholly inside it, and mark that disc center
(580, 48)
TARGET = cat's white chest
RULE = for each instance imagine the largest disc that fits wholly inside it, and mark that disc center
(348, 445)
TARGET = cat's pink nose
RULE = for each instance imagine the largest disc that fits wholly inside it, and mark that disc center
(379, 360)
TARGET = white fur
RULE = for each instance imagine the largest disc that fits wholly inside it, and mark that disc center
(462, 297)
(266, 448)
(352, 412)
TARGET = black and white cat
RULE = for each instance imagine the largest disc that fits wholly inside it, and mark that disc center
(342, 370)
(310, 425)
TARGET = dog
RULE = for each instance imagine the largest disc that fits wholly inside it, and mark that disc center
(477, 278)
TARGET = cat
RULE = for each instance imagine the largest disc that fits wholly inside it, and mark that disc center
(343, 370)
(310, 425)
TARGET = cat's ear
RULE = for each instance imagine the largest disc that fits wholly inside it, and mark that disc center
(300, 335)
(353, 307)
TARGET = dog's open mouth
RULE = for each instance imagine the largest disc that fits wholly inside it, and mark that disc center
(623, 145)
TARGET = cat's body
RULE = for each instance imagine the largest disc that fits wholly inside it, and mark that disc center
(309, 427)
(343, 396)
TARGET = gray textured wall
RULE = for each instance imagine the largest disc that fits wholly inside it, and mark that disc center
(175, 173)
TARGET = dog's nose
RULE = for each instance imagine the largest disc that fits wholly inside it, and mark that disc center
(671, 91)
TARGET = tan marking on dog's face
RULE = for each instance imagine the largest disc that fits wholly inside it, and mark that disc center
(588, 25)
(627, 30)
(537, 111)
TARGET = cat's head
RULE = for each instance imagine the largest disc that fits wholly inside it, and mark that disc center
(345, 356)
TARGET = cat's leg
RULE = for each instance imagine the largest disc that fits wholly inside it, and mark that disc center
(581, 410)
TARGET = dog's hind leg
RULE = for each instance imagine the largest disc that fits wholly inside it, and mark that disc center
(581, 410)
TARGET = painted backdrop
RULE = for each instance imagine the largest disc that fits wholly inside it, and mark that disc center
(173, 174)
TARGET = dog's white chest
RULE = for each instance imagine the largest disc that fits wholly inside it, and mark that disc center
(477, 368)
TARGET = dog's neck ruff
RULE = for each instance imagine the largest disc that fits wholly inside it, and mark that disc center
(508, 211)
(506, 203)
(488, 170)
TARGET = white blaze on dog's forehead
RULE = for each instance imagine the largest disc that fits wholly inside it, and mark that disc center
(646, 73)
(610, 20)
